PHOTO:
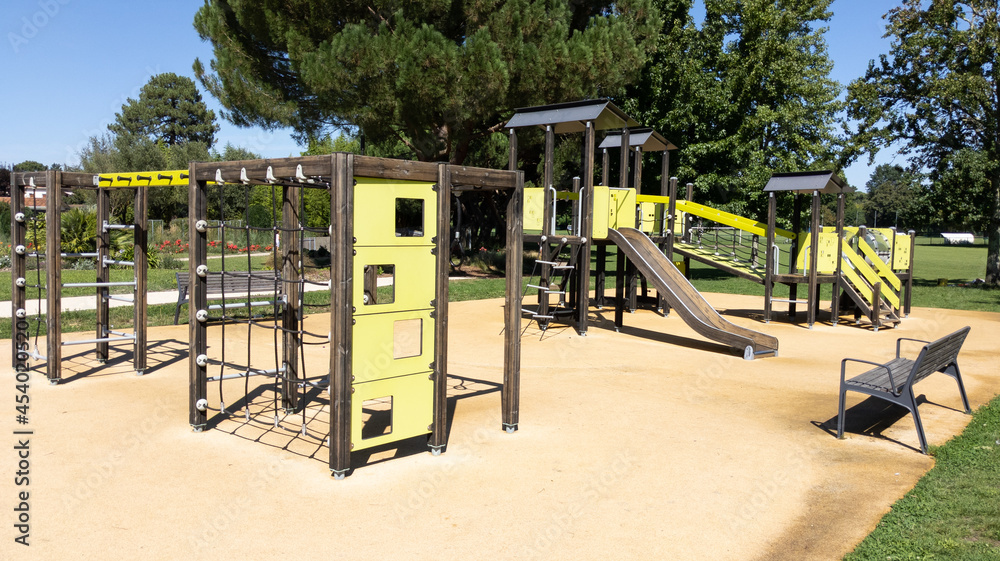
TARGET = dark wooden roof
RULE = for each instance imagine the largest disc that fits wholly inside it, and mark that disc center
(807, 181)
(572, 117)
(645, 138)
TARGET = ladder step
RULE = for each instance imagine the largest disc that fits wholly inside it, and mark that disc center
(786, 300)
(537, 287)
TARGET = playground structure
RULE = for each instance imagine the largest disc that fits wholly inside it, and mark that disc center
(390, 241)
(387, 343)
(870, 270)
(25, 225)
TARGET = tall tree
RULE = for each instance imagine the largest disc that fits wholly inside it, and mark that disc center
(745, 95)
(895, 195)
(937, 93)
(169, 110)
(437, 76)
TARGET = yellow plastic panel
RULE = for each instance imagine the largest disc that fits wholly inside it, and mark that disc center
(828, 242)
(375, 211)
(534, 208)
(413, 277)
(883, 269)
(680, 267)
(901, 253)
(805, 244)
(622, 209)
(412, 399)
(865, 270)
(177, 177)
(602, 211)
(647, 213)
(378, 339)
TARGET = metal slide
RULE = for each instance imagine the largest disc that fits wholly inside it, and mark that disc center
(684, 298)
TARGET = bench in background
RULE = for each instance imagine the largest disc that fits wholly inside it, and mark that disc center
(232, 285)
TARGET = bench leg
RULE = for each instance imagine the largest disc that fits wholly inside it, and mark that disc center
(840, 412)
(916, 420)
(177, 313)
(954, 372)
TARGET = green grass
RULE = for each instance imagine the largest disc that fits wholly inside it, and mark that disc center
(954, 511)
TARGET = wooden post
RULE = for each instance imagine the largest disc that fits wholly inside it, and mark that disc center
(19, 268)
(586, 230)
(814, 230)
(291, 273)
(512, 151)
(909, 276)
(620, 265)
(103, 270)
(53, 274)
(544, 249)
(770, 264)
(605, 164)
(341, 310)
(439, 432)
(197, 299)
(637, 171)
(141, 269)
(671, 220)
(793, 253)
(686, 230)
(835, 300)
(510, 397)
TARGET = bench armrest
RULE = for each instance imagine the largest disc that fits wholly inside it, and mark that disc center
(843, 370)
(899, 343)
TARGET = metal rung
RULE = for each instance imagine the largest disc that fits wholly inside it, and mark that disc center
(96, 284)
(246, 374)
(786, 300)
(537, 287)
(108, 226)
(237, 305)
(564, 267)
(128, 299)
(119, 333)
(553, 263)
(101, 340)
(113, 262)
(538, 316)
(78, 254)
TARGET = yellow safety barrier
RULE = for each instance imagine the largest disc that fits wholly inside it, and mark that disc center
(647, 217)
(622, 209)
(901, 252)
(172, 178)
(884, 270)
(602, 212)
(534, 208)
(867, 272)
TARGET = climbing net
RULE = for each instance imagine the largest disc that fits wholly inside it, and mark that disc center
(263, 278)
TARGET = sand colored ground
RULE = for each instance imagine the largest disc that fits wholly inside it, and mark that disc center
(651, 443)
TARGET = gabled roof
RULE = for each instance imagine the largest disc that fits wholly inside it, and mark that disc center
(807, 181)
(645, 138)
(572, 117)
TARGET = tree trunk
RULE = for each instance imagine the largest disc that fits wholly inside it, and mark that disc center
(993, 236)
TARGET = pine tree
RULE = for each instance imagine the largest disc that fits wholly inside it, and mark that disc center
(169, 110)
(437, 76)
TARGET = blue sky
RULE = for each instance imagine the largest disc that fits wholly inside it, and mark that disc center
(69, 65)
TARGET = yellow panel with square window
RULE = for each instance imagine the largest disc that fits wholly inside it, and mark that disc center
(384, 411)
(622, 211)
(393, 212)
(390, 279)
(391, 345)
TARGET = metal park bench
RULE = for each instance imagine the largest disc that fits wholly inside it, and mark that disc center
(893, 381)
(231, 285)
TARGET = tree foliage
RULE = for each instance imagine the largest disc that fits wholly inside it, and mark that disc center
(936, 94)
(745, 95)
(437, 76)
(169, 110)
(895, 196)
